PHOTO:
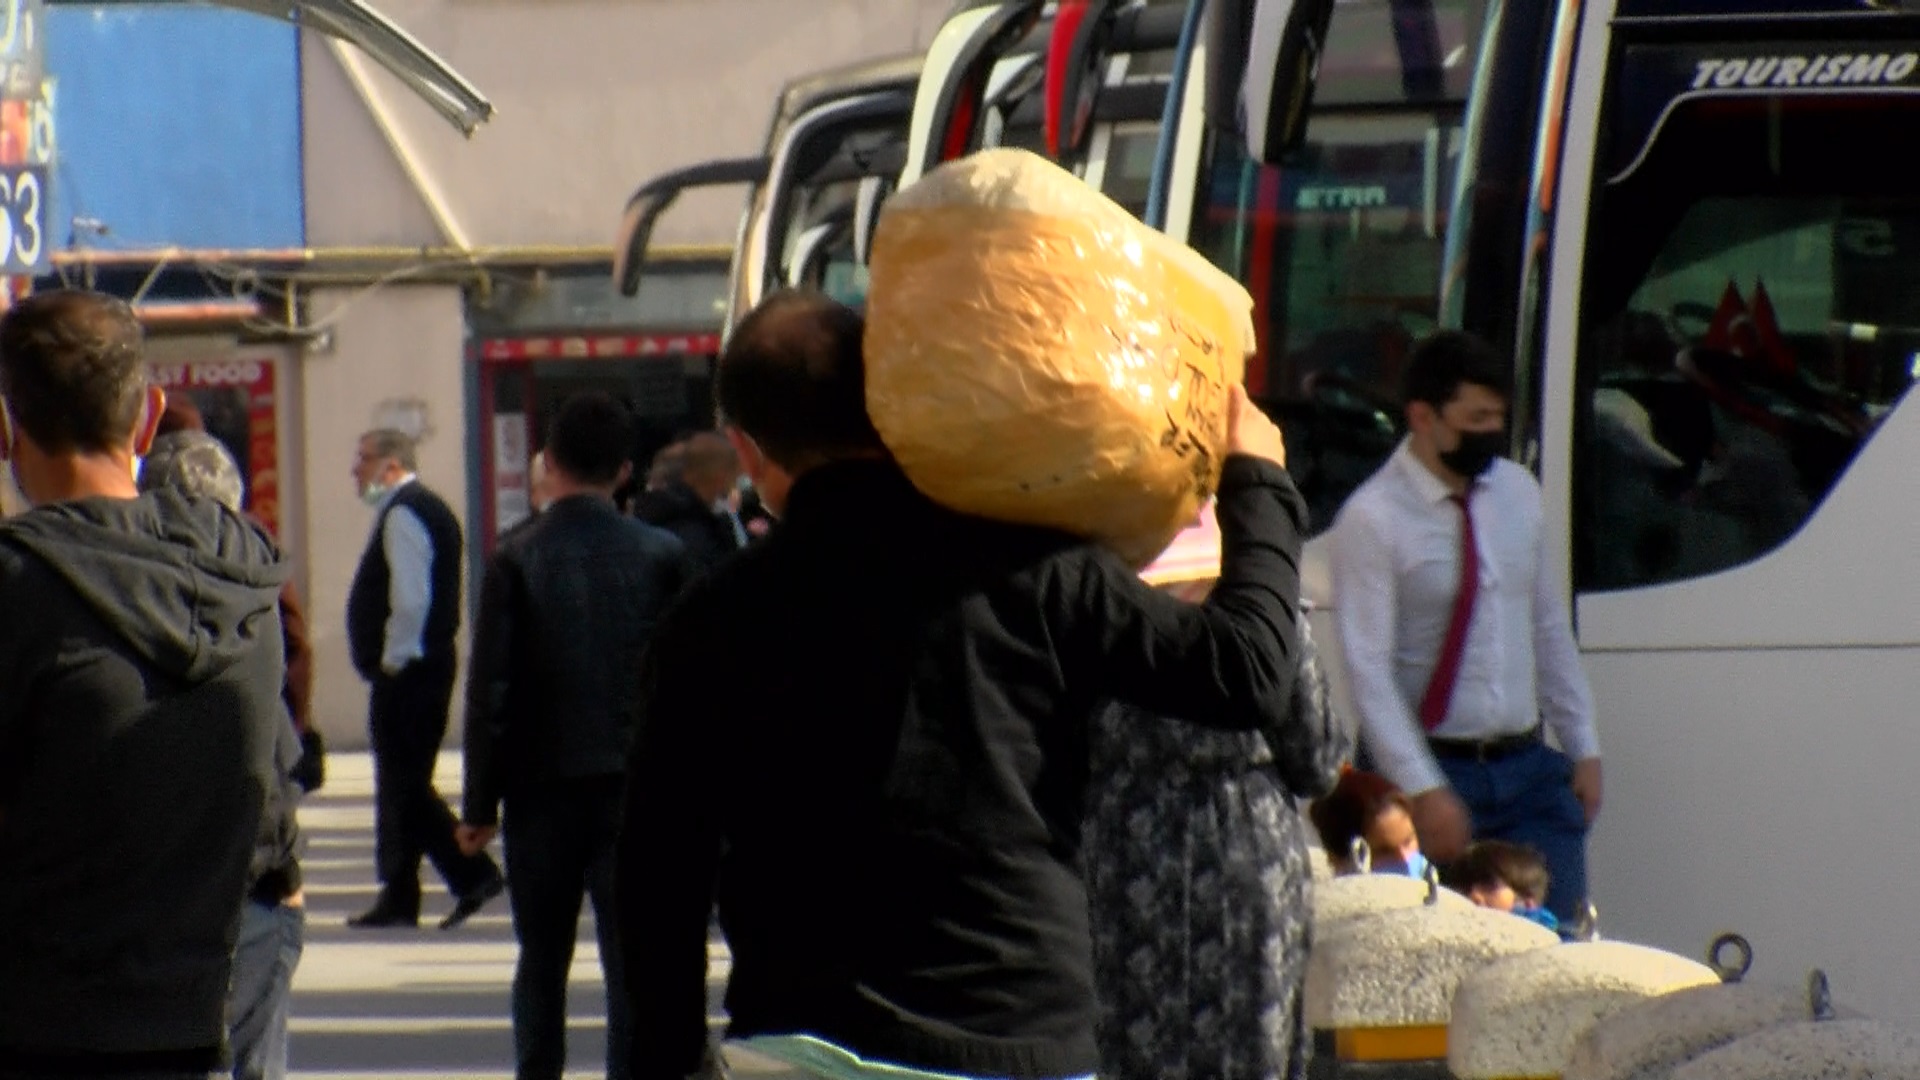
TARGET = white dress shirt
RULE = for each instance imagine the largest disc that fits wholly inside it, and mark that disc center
(1396, 571)
(409, 551)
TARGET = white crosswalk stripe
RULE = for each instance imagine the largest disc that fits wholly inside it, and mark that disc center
(422, 1004)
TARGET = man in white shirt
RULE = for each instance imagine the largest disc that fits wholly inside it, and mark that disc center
(1458, 645)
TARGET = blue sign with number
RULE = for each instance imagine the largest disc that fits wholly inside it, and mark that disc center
(23, 219)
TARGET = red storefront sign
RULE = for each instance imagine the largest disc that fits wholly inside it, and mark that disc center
(236, 398)
(598, 347)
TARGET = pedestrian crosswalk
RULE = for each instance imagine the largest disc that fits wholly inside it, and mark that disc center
(423, 1004)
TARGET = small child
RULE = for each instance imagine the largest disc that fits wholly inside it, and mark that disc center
(1365, 815)
(1506, 877)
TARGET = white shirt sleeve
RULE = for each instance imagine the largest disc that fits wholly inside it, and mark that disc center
(1566, 700)
(409, 552)
(1365, 580)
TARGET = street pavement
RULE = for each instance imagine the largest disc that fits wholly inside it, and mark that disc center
(426, 1004)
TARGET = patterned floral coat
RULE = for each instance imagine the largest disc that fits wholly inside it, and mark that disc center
(1197, 878)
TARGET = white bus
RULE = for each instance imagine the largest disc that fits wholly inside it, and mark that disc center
(836, 143)
(1084, 82)
(1688, 223)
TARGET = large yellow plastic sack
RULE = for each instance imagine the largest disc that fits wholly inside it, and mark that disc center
(1035, 354)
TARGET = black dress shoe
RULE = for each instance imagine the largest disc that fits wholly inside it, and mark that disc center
(384, 915)
(472, 901)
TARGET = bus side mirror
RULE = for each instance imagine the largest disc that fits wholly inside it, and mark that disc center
(643, 210)
(1263, 59)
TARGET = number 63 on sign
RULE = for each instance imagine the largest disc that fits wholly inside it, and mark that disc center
(23, 219)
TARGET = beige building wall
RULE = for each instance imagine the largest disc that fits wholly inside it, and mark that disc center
(394, 361)
(594, 97)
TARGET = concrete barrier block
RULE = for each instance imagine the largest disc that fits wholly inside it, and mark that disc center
(1318, 862)
(1354, 896)
(1519, 1018)
(1400, 968)
(1646, 1041)
(1827, 1050)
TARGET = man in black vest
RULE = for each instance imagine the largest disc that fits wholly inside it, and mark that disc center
(402, 615)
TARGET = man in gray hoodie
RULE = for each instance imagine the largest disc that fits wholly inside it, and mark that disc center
(142, 732)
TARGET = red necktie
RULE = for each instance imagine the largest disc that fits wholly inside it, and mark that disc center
(1439, 695)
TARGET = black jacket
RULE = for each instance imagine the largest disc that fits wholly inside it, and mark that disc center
(870, 732)
(566, 607)
(707, 533)
(143, 742)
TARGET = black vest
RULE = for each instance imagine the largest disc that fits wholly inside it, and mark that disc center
(369, 601)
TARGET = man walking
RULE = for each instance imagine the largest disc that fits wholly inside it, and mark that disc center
(402, 614)
(142, 733)
(867, 735)
(1456, 642)
(566, 609)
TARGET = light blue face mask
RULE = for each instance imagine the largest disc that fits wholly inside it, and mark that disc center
(374, 492)
(1417, 866)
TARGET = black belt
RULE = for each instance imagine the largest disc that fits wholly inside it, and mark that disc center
(1485, 750)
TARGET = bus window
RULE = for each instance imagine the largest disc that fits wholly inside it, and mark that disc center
(1129, 165)
(1747, 321)
(1342, 249)
(1342, 253)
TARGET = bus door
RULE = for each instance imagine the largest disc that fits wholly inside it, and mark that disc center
(1732, 335)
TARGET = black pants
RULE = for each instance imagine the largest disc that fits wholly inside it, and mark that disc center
(408, 718)
(559, 841)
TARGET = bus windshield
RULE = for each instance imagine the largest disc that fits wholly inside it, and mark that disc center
(1748, 317)
(1342, 249)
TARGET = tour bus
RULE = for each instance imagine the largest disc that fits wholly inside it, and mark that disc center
(1683, 222)
(1084, 82)
(836, 143)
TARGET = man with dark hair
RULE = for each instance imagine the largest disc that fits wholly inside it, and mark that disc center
(1457, 640)
(142, 735)
(403, 613)
(885, 795)
(273, 927)
(566, 608)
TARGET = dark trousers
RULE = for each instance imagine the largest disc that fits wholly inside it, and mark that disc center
(559, 842)
(1527, 798)
(407, 720)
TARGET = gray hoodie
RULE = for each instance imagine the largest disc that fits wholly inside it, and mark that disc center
(142, 743)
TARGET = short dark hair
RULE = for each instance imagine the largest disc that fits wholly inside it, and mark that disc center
(1341, 816)
(793, 377)
(592, 437)
(1497, 862)
(1444, 361)
(195, 463)
(72, 370)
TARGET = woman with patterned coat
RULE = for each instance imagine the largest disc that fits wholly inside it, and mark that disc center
(1197, 877)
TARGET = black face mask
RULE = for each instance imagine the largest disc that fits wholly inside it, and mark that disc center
(1476, 452)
